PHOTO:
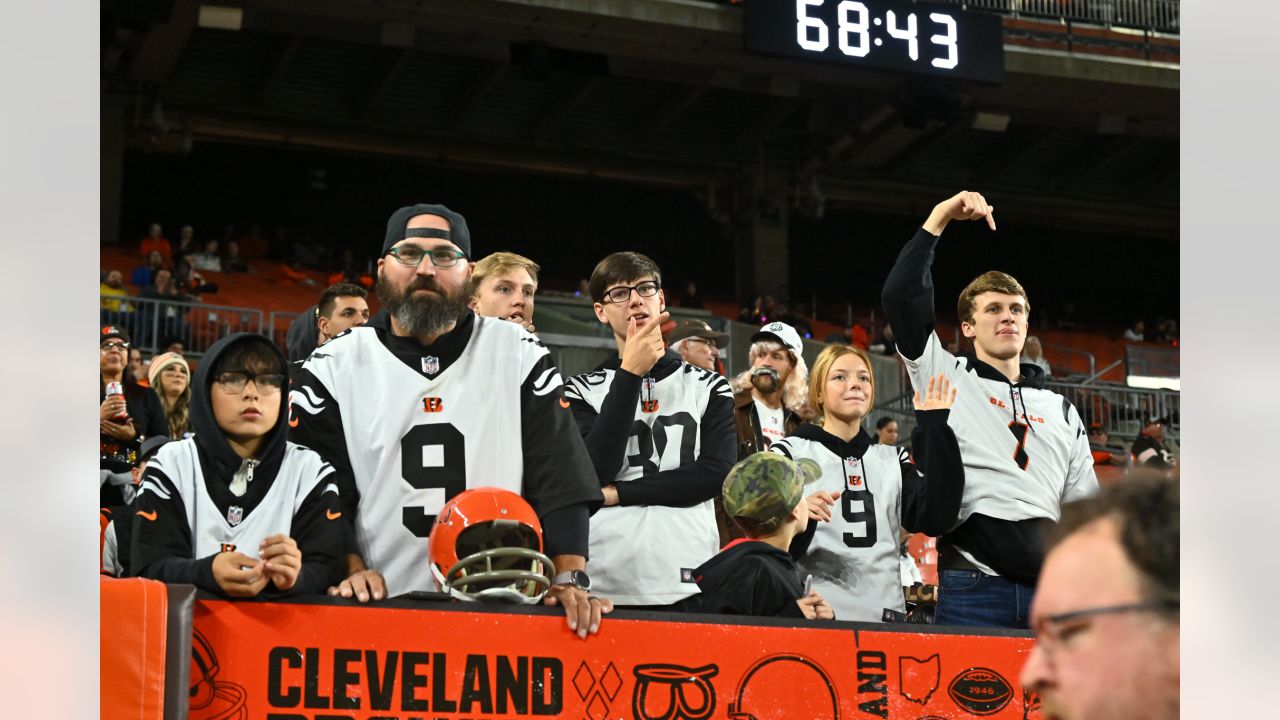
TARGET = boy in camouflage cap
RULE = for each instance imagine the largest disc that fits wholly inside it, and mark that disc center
(756, 575)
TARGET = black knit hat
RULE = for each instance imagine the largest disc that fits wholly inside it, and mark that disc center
(457, 233)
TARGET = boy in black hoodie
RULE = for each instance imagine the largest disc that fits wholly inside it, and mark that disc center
(237, 509)
(756, 575)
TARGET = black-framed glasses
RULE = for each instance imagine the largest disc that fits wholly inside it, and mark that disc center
(1052, 630)
(234, 381)
(115, 346)
(622, 293)
(412, 255)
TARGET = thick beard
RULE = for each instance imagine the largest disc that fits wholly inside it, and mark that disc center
(425, 314)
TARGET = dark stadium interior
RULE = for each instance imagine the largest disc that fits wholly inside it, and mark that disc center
(642, 124)
(568, 223)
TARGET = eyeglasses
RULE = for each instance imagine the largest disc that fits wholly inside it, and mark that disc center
(234, 381)
(114, 346)
(412, 255)
(1052, 631)
(622, 293)
(698, 339)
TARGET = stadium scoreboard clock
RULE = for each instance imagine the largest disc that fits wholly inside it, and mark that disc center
(937, 40)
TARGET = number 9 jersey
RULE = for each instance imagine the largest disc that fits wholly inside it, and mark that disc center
(854, 558)
(408, 427)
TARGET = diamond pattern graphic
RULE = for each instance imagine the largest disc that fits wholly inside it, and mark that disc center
(611, 681)
(597, 710)
(584, 680)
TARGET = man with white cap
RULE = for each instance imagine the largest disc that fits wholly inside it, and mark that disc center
(769, 398)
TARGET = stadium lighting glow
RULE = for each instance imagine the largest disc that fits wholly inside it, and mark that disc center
(1151, 382)
(217, 17)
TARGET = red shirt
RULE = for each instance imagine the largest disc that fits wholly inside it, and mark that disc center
(149, 244)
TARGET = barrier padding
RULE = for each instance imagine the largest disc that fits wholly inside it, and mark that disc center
(134, 631)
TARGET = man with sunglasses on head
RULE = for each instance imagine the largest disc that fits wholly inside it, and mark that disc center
(433, 401)
(1106, 612)
(660, 434)
(125, 418)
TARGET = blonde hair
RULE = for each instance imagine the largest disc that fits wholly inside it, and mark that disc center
(794, 390)
(178, 417)
(822, 368)
(501, 263)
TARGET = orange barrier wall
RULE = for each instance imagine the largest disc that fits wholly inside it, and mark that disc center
(133, 642)
(415, 659)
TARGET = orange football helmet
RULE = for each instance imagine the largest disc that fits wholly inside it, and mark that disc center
(486, 545)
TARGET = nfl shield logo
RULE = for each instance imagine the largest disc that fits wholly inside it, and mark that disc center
(235, 514)
(431, 365)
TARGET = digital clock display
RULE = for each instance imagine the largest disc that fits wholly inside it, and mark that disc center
(938, 40)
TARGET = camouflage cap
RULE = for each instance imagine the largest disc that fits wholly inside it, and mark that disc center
(766, 486)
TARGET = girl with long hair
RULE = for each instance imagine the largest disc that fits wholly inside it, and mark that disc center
(170, 378)
(868, 493)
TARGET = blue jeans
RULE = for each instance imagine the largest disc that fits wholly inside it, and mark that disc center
(975, 599)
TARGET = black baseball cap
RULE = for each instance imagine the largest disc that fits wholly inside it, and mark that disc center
(113, 331)
(458, 234)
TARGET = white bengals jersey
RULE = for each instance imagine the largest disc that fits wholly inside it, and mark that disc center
(854, 558)
(680, 431)
(1025, 448)
(409, 427)
(174, 479)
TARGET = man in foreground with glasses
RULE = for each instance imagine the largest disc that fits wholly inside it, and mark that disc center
(657, 524)
(1106, 610)
(433, 402)
(237, 509)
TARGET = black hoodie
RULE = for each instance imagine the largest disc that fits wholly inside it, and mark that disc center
(162, 546)
(747, 577)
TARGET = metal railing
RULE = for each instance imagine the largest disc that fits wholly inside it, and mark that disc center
(277, 327)
(151, 322)
(1088, 356)
(1121, 410)
(1157, 15)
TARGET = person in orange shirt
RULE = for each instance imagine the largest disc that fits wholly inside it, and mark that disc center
(155, 240)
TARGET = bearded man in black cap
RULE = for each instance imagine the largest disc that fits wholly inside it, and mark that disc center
(433, 400)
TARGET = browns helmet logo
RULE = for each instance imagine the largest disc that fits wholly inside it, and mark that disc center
(209, 698)
(785, 686)
(981, 691)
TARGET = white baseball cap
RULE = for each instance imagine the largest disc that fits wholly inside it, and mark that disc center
(783, 333)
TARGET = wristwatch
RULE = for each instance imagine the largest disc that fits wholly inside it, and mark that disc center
(576, 578)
